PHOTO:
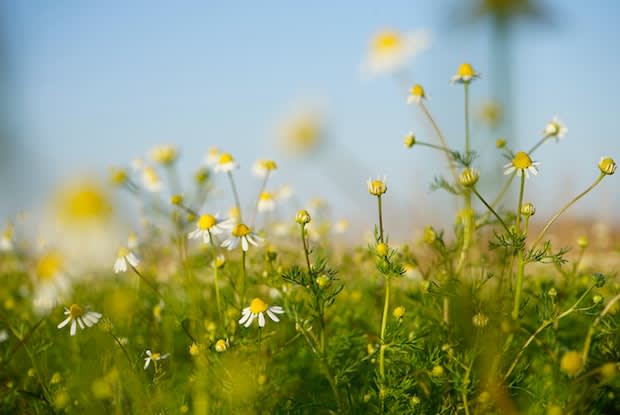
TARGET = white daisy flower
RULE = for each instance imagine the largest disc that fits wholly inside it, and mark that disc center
(522, 163)
(266, 202)
(464, 74)
(213, 155)
(256, 309)
(416, 94)
(209, 225)
(341, 226)
(50, 281)
(79, 316)
(390, 50)
(151, 180)
(164, 154)
(155, 357)
(132, 240)
(262, 168)
(241, 234)
(125, 256)
(285, 192)
(225, 163)
(555, 129)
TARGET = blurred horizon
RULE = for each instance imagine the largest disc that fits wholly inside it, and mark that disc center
(91, 86)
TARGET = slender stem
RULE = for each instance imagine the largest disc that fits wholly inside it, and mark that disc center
(260, 192)
(467, 231)
(380, 218)
(467, 136)
(386, 305)
(588, 341)
(520, 203)
(306, 250)
(120, 344)
(519, 288)
(543, 326)
(235, 194)
(538, 144)
(243, 277)
(502, 193)
(441, 138)
(147, 282)
(215, 277)
(464, 392)
(258, 347)
(433, 146)
(484, 202)
(568, 205)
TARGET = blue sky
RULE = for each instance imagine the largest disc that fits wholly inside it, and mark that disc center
(97, 84)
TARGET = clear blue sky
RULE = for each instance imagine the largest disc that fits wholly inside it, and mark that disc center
(98, 83)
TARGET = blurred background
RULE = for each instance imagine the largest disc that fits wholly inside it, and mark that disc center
(88, 85)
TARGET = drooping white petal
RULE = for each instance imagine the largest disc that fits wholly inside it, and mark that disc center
(272, 316)
(147, 362)
(120, 265)
(244, 243)
(277, 309)
(261, 320)
(132, 259)
(64, 322)
(244, 318)
(250, 320)
(73, 328)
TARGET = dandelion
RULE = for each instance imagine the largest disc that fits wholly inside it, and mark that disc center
(376, 187)
(555, 129)
(256, 309)
(213, 155)
(79, 316)
(390, 50)
(263, 168)
(465, 74)
(151, 180)
(241, 234)
(207, 226)
(155, 357)
(416, 94)
(225, 163)
(125, 256)
(607, 165)
(266, 202)
(522, 163)
(83, 202)
(164, 154)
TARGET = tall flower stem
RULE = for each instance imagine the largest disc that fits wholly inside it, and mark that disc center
(568, 205)
(215, 277)
(491, 210)
(380, 208)
(243, 276)
(235, 195)
(386, 305)
(520, 255)
(588, 342)
(520, 204)
(441, 138)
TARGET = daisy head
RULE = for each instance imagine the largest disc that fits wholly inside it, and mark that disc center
(213, 155)
(154, 357)
(376, 187)
(225, 163)
(416, 94)
(523, 164)
(77, 315)
(263, 168)
(165, 155)
(555, 129)
(207, 226)
(409, 140)
(257, 309)
(151, 180)
(125, 256)
(266, 202)
(465, 74)
(390, 50)
(607, 165)
(469, 177)
(241, 234)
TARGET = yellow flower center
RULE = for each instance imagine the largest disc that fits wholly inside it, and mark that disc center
(155, 356)
(377, 187)
(418, 91)
(206, 222)
(49, 266)
(7, 233)
(257, 306)
(150, 175)
(266, 196)
(466, 71)
(226, 158)
(234, 212)
(118, 176)
(164, 154)
(123, 252)
(522, 160)
(76, 311)
(85, 202)
(240, 230)
(268, 165)
(387, 41)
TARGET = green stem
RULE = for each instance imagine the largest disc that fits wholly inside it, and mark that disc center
(543, 326)
(386, 305)
(433, 146)
(491, 209)
(568, 205)
(380, 218)
(588, 342)
(520, 204)
(147, 282)
(467, 136)
(306, 250)
(442, 140)
(236, 195)
(215, 278)
(538, 144)
(519, 288)
(243, 277)
(258, 349)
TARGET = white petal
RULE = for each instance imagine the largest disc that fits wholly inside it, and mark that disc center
(147, 362)
(261, 320)
(194, 234)
(132, 259)
(94, 314)
(148, 353)
(80, 322)
(244, 243)
(272, 316)
(87, 321)
(250, 320)
(73, 328)
(277, 309)
(244, 318)
(64, 322)
(120, 265)
(165, 356)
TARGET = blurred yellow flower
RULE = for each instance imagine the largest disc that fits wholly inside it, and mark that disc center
(302, 133)
(390, 50)
(164, 154)
(83, 202)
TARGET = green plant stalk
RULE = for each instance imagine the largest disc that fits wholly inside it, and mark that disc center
(260, 192)
(433, 146)
(441, 138)
(568, 205)
(538, 144)
(147, 282)
(520, 204)
(243, 277)
(215, 278)
(380, 208)
(484, 202)
(519, 287)
(258, 347)
(543, 326)
(306, 250)
(235, 195)
(467, 136)
(386, 306)
(502, 193)
(588, 342)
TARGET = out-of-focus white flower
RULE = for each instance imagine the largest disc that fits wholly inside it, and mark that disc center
(241, 234)
(125, 256)
(266, 202)
(225, 163)
(390, 50)
(153, 357)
